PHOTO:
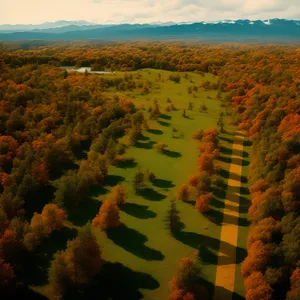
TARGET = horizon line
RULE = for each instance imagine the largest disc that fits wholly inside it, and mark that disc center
(89, 23)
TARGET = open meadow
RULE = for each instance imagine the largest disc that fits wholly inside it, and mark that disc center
(144, 245)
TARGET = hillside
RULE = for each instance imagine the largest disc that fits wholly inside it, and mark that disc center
(274, 30)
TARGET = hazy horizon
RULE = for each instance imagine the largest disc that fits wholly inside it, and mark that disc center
(154, 22)
(15, 12)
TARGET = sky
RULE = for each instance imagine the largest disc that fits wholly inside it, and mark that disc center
(144, 11)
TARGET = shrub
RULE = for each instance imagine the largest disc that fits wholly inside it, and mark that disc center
(160, 146)
(203, 203)
(183, 192)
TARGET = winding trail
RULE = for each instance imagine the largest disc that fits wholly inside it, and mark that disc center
(225, 272)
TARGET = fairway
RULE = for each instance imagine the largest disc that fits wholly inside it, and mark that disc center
(146, 246)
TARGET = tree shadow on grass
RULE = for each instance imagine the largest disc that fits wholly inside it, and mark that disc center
(229, 132)
(219, 292)
(190, 202)
(97, 191)
(36, 264)
(155, 131)
(163, 123)
(220, 204)
(138, 211)
(189, 118)
(217, 203)
(223, 173)
(207, 257)
(162, 183)
(225, 159)
(225, 139)
(239, 161)
(239, 142)
(240, 153)
(247, 143)
(112, 180)
(115, 282)
(85, 212)
(134, 242)
(166, 117)
(219, 218)
(220, 192)
(143, 138)
(244, 201)
(151, 194)
(226, 174)
(244, 191)
(148, 145)
(225, 150)
(172, 154)
(126, 163)
(205, 245)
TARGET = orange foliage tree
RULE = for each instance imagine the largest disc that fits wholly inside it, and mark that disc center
(108, 216)
(184, 284)
(203, 203)
(6, 273)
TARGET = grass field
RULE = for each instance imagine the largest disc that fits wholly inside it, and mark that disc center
(144, 245)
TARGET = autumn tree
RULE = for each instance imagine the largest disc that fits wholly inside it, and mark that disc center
(185, 281)
(53, 217)
(183, 192)
(203, 203)
(293, 294)
(160, 146)
(118, 195)
(108, 216)
(204, 185)
(75, 267)
(6, 273)
(257, 288)
(138, 181)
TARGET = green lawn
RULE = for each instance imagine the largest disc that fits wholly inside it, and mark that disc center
(144, 245)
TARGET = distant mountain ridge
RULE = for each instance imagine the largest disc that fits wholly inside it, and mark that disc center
(43, 26)
(272, 30)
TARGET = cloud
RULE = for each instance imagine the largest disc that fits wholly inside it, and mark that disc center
(142, 11)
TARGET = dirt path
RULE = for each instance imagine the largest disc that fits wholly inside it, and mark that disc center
(225, 273)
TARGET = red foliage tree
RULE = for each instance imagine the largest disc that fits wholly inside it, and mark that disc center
(258, 258)
(203, 203)
(205, 163)
(6, 273)
(257, 288)
(193, 180)
(294, 293)
(40, 173)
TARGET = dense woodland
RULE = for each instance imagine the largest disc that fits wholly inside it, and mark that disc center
(47, 118)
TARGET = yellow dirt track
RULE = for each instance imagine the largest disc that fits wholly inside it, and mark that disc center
(225, 273)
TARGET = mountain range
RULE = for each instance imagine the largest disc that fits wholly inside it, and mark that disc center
(272, 30)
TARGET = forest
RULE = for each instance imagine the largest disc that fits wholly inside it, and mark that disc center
(118, 186)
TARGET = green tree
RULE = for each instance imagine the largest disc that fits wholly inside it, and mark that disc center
(172, 219)
(138, 181)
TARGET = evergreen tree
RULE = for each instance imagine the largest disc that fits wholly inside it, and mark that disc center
(138, 181)
(172, 220)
